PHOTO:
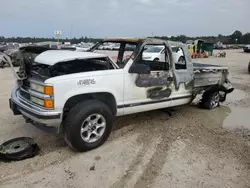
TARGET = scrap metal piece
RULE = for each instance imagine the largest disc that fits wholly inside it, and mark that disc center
(18, 149)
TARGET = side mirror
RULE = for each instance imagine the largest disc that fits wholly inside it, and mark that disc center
(140, 69)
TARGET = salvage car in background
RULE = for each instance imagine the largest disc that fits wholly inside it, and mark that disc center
(246, 48)
(79, 93)
(157, 53)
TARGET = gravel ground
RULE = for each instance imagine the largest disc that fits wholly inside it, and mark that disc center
(192, 148)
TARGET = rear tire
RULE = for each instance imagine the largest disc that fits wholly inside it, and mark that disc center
(210, 100)
(80, 133)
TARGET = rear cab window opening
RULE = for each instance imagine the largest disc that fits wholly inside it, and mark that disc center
(179, 58)
(155, 57)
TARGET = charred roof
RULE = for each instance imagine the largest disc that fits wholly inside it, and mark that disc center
(131, 40)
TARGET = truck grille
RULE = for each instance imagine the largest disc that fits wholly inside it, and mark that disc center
(30, 96)
(24, 94)
(26, 84)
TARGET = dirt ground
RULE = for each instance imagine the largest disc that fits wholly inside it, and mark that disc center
(192, 148)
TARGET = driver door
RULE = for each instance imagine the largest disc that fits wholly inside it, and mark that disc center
(144, 92)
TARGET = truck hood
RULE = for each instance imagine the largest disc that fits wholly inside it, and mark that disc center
(28, 54)
(52, 57)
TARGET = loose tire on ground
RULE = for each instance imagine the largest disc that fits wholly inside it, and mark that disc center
(78, 117)
(210, 100)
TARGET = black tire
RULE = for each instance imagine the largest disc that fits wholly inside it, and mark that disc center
(156, 59)
(75, 118)
(249, 67)
(210, 100)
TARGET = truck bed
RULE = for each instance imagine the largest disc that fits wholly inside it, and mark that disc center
(199, 66)
(208, 75)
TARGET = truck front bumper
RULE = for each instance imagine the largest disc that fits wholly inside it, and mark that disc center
(33, 113)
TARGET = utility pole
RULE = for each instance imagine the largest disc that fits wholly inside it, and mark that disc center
(71, 28)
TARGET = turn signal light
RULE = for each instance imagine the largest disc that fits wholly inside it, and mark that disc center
(48, 90)
(48, 103)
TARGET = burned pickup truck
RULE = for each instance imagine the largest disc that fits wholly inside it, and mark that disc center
(79, 93)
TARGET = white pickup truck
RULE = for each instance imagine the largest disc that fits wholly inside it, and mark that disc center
(80, 93)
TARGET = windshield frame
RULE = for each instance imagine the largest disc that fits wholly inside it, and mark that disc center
(121, 51)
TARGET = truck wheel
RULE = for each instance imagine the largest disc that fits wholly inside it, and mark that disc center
(249, 67)
(156, 59)
(88, 125)
(210, 100)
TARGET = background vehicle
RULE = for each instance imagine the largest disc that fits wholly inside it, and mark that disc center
(154, 53)
(246, 48)
(80, 93)
(178, 54)
(157, 53)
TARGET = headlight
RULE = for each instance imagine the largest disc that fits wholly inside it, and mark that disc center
(37, 87)
(48, 90)
(37, 100)
(47, 103)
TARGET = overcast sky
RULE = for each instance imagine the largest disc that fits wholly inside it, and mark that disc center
(128, 18)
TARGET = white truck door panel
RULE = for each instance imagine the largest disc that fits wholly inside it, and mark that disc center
(183, 76)
(137, 97)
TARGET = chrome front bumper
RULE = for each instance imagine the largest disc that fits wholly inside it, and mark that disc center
(33, 113)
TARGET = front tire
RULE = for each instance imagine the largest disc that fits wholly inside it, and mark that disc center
(88, 125)
(210, 100)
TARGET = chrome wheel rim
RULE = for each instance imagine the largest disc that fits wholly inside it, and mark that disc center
(215, 100)
(92, 128)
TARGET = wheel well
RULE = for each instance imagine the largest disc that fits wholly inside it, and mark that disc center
(106, 98)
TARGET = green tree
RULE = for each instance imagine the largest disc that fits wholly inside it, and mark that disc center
(236, 37)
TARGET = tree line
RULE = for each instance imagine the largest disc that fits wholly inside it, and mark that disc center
(235, 38)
